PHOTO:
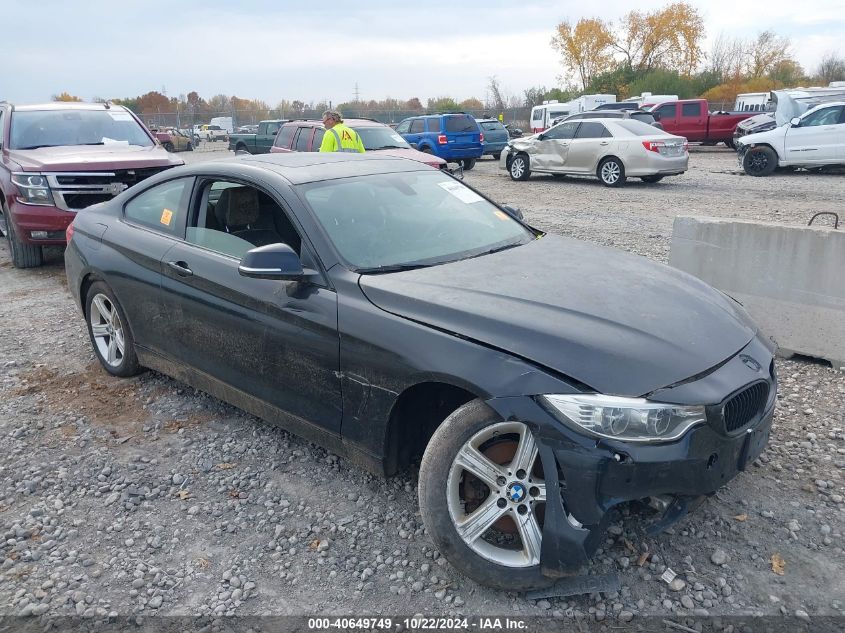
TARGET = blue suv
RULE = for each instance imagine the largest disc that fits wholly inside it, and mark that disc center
(453, 137)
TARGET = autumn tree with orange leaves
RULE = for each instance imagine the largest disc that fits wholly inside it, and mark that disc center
(586, 47)
(665, 39)
(66, 96)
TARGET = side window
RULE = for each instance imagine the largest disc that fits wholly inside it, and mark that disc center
(161, 207)
(302, 139)
(690, 109)
(667, 110)
(564, 131)
(283, 138)
(538, 114)
(272, 127)
(319, 133)
(232, 218)
(403, 127)
(590, 129)
(826, 116)
(417, 126)
(434, 125)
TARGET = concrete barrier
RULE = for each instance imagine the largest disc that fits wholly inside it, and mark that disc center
(790, 279)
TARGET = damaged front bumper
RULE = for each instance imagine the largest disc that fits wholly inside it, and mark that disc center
(596, 474)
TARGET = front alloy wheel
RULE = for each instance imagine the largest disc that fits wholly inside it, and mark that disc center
(485, 509)
(519, 169)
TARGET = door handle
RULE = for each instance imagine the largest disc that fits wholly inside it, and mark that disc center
(181, 268)
(604, 143)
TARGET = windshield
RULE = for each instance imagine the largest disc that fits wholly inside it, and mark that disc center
(389, 221)
(380, 138)
(491, 126)
(50, 128)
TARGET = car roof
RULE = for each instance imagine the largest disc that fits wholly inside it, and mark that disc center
(302, 167)
(350, 122)
(67, 105)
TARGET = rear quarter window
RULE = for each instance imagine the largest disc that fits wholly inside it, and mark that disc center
(283, 138)
(460, 123)
(491, 126)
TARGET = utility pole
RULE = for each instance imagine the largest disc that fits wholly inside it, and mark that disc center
(357, 93)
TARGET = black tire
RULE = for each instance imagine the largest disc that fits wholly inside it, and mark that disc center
(168, 146)
(519, 167)
(23, 255)
(497, 155)
(241, 148)
(652, 179)
(447, 440)
(467, 163)
(606, 170)
(190, 147)
(730, 144)
(128, 365)
(426, 150)
(760, 161)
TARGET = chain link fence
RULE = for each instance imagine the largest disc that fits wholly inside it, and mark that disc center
(186, 120)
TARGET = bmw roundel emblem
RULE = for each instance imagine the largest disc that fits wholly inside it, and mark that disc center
(516, 492)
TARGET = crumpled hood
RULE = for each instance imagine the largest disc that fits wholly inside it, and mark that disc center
(413, 154)
(620, 323)
(93, 158)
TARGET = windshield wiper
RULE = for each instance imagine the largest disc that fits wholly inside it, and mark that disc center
(36, 146)
(98, 143)
(496, 250)
(392, 268)
(390, 147)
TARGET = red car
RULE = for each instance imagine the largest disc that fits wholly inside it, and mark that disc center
(692, 119)
(61, 157)
(306, 136)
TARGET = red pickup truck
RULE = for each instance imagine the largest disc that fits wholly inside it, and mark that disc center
(692, 119)
(58, 158)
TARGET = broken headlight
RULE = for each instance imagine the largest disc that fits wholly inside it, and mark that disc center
(33, 188)
(627, 419)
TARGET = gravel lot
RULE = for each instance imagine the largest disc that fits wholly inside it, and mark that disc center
(143, 496)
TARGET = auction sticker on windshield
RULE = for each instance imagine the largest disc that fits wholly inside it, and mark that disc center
(460, 192)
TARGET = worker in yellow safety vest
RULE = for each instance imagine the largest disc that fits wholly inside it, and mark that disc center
(338, 137)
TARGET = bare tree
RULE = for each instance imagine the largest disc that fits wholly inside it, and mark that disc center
(496, 94)
(725, 58)
(766, 53)
(831, 68)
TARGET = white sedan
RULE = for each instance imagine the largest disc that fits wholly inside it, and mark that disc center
(612, 150)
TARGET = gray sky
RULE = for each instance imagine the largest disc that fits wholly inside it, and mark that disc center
(273, 50)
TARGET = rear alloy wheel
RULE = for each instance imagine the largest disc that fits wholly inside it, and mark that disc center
(467, 163)
(23, 255)
(611, 172)
(109, 332)
(519, 168)
(760, 161)
(482, 496)
(652, 179)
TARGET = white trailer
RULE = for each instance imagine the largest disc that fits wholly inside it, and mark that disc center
(751, 102)
(223, 122)
(589, 102)
(647, 99)
(542, 115)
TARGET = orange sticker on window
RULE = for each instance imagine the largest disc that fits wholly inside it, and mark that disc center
(501, 215)
(166, 217)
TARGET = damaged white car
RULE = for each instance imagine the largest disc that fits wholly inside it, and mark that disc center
(816, 139)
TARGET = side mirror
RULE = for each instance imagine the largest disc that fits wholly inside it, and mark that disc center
(513, 211)
(275, 132)
(274, 261)
(796, 122)
(656, 116)
(541, 137)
